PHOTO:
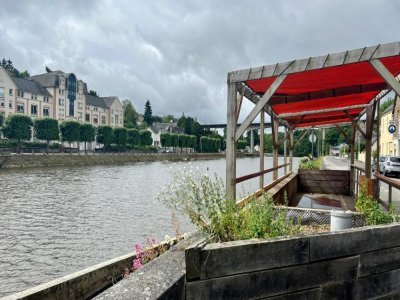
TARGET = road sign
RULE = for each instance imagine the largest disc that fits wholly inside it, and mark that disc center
(312, 138)
(392, 128)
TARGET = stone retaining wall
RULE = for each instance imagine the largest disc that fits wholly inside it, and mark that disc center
(43, 160)
(361, 263)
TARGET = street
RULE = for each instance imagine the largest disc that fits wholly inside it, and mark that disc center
(341, 163)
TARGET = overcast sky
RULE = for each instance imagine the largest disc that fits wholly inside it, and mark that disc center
(177, 53)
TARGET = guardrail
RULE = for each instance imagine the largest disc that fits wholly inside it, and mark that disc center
(253, 175)
(355, 172)
(391, 183)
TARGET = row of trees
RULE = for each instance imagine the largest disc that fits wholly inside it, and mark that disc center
(209, 145)
(18, 127)
(178, 140)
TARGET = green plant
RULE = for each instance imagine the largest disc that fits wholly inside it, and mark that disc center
(47, 129)
(70, 131)
(203, 200)
(366, 205)
(306, 163)
(18, 127)
(87, 134)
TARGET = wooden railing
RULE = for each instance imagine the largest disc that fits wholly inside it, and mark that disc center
(253, 175)
(391, 184)
(355, 172)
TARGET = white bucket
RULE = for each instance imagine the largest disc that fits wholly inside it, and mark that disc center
(341, 219)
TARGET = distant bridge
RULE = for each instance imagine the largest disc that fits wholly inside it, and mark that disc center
(252, 126)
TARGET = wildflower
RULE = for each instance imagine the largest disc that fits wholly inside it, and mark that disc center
(137, 263)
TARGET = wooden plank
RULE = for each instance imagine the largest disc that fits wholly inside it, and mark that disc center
(320, 111)
(238, 105)
(382, 284)
(379, 261)
(260, 105)
(386, 75)
(354, 241)
(193, 261)
(231, 144)
(276, 281)
(312, 294)
(275, 145)
(262, 120)
(223, 259)
(305, 172)
(291, 148)
(342, 290)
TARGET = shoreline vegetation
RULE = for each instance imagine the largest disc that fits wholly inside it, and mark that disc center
(55, 160)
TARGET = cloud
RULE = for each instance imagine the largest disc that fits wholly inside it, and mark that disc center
(178, 54)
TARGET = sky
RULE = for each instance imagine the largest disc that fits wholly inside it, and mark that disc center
(177, 54)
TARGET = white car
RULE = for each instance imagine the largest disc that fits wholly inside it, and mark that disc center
(389, 165)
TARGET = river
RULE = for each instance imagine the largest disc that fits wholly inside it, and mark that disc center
(55, 221)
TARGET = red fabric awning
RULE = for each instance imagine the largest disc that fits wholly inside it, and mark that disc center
(337, 87)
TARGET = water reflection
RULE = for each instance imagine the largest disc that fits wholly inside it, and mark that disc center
(54, 221)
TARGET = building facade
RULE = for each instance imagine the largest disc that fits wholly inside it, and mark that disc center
(388, 142)
(58, 95)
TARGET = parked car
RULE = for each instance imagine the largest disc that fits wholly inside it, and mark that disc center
(389, 165)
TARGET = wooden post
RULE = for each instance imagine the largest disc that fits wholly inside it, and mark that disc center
(230, 143)
(284, 151)
(368, 132)
(352, 140)
(275, 145)
(291, 149)
(262, 121)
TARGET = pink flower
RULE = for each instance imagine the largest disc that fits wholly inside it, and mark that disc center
(139, 250)
(137, 264)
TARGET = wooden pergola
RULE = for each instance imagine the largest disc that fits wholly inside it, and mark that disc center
(330, 90)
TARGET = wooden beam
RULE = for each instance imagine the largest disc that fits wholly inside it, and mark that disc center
(360, 130)
(302, 136)
(231, 144)
(343, 133)
(320, 111)
(275, 145)
(284, 150)
(262, 120)
(368, 132)
(260, 105)
(239, 105)
(386, 75)
(291, 149)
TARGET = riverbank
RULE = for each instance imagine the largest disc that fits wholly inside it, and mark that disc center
(54, 160)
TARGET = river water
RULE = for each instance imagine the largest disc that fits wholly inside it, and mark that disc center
(55, 221)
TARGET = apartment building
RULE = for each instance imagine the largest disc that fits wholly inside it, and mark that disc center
(23, 96)
(58, 95)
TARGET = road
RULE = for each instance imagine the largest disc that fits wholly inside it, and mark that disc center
(340, 163)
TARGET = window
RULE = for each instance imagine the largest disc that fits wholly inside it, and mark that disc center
(34, 110)
(87, 117)
(46, 99)
(103, 120)
(20, 108)
(116, 120)
(10, 92)
(1, 92)
(31, 96)
(45, 111)
(95, 119)
(10, 105)
(112, 120)
(60, 101)
(95, 109)
(2, 103)
(20, 94)
(61, 112)
(59, 91)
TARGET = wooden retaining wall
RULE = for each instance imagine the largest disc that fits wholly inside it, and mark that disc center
(362, 263)
(324, 181)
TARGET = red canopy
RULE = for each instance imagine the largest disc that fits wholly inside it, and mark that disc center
(323, 90)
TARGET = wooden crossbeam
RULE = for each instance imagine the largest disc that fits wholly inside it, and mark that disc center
(360, 130)
(302, 137)
(239, 105)
(386, 75)
(343, 133)
(320, 111)
(260, 105)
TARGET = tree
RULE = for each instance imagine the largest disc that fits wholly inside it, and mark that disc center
(130, 114)
(70, 131)
(120, 136)
(157, 119)
(93, 93)
(47, 129)
(384, 105)
(18, 127)
(175, 140)
(105, 136)
(147, 117)
(133, 137)
(145, 138)
(165, 139)
(168, 119)
(11, 70)
(48, 70)
(1, 121)
(87, 134)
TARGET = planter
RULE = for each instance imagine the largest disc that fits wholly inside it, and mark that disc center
(341, 220)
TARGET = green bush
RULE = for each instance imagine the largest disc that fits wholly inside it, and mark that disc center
(306, 163)
(203, 200)
(366, 205)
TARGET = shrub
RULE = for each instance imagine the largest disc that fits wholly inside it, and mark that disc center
(306, 163)
(203, 200)
(18, 128)
(366, 205)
